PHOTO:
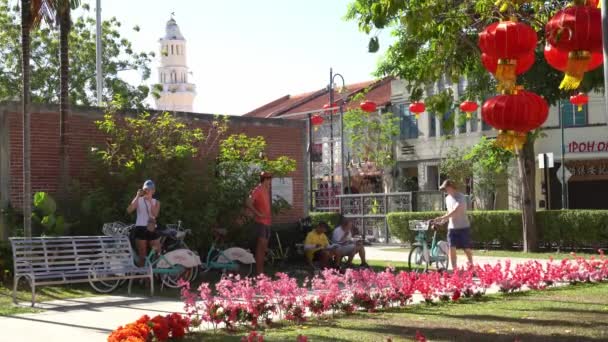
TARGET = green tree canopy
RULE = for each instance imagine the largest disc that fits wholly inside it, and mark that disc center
(371, 135)
(118, 56)
(434, 38)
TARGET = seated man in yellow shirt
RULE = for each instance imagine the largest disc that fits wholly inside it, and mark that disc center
(317, 248)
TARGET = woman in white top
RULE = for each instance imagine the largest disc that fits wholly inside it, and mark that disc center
(147, 209)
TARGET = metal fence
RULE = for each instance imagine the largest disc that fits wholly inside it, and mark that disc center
(369, 211)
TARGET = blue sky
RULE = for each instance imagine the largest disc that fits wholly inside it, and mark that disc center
(245, 53)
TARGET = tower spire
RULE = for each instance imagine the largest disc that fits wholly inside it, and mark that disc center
(177, 93)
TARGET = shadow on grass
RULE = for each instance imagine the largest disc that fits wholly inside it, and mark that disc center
(465, 335)
(533, 321)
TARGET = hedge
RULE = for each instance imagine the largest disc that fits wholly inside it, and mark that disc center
(331, 218)
(567, 227)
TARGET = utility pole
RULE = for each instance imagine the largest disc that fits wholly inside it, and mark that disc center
(563, 161)
(98, 49)
(604, 5)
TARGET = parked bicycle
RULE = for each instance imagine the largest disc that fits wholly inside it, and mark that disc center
(422, 256)
(174, 263)
(234, 260)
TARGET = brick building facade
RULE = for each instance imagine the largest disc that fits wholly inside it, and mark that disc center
(283, 138)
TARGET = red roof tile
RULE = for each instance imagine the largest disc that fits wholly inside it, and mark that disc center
(379, 91)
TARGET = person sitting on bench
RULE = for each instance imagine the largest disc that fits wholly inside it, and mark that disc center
(342, 236)
(317, 248)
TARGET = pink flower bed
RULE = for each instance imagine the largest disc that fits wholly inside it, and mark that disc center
(254, 301)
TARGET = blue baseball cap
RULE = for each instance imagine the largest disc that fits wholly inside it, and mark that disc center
(148, 185)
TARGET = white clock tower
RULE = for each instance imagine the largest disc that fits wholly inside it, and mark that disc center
(176, 94)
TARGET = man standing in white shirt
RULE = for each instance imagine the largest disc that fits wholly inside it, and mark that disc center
(459, 228)
(342, 235)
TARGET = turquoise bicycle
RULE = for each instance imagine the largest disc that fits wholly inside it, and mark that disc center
(422, 256)
(174, 263)
(232, 260)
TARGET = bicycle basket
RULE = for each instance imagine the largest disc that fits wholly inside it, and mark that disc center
(419, 225)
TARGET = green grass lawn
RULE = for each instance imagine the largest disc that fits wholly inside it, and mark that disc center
(576, 313)
(503, 254)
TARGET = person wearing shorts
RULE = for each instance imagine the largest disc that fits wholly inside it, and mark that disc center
(459, 228)
(147, 209)
(342, 236)
(259, 203)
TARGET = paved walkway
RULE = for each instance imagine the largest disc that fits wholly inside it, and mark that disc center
(82, 319)
(92, 319)
(401, 255)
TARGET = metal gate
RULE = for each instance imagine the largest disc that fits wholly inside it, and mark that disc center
(368, 212)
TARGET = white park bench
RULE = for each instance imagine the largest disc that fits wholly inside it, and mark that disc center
(104, 260)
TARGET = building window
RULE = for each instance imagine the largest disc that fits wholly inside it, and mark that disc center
(408, 123)
(172, 49)
(571, 116)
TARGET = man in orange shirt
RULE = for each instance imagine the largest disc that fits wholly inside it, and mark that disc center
(259, 203)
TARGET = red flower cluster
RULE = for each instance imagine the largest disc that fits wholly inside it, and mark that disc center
(162, 328)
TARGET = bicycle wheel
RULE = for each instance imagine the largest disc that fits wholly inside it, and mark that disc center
(271, 257)
(241, 269)
(98, 274)
(172, 279)
(417, 262)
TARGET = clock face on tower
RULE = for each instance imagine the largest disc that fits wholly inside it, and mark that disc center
(177, 94)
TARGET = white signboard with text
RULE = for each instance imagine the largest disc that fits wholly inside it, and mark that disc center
(283, 187)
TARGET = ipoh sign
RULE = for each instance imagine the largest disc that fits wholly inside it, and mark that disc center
(587, 146)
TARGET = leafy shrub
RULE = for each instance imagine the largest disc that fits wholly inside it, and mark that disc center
(398, 223)
(331, 218)
(44, 215)
(574, 228)
(203, 176)
(490, 226)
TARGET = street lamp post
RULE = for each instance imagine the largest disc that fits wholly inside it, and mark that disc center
(332, 78)
(564, 181)
(98, 47)
(604, 6)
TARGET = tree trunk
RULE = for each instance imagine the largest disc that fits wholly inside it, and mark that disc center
(527, 174)
(64, 101)
(26, 21)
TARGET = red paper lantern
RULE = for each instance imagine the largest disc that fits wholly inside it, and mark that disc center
(576, 28)
(577, 31)
(520, 112)
(514, 115)
(523, 63)
(417, 108)
(558, 59)
(327, 106)
(368, 106)
(579, 100)
(469, 107)
(316, 120)
(507, 40)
